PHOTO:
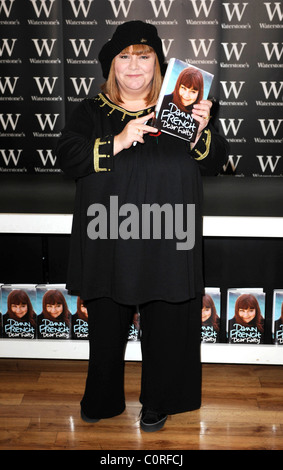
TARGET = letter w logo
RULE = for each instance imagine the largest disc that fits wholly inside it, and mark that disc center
(42, 6)
(235, 10)
(46, 84)
(276, 90)
(44, 46)
(274, 49)
(234, 49)
(121, 6)
(82, 46)
(162, 6)
(234, 163)
(269, 162)
(202, 46)
(8, 84)
(11, 156)
(47, 120)
(82, 84)
(48, 156)
(277, 9)
(203, 6)
(6, 46)
(82, 6)
(5, 8)
(9, 120)
(270, 126)
(236, 89)
(231, 125)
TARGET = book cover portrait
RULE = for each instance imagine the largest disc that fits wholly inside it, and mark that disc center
(245, 315)
(183, 86)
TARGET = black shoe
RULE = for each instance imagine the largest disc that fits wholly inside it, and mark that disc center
(88, 420)
(152, 420)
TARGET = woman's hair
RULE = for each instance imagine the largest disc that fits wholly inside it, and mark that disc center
(190, 78)
(80, 303)
(244, 302)
(52, 297)
(111, 87)
(19, 296)
(207, 302)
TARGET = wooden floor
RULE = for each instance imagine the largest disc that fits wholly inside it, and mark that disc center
(39, 409)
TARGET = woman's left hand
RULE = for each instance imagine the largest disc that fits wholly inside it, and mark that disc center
(201, 113)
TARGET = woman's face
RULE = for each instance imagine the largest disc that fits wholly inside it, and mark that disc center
(20, 310)
(247, 314)
(134, 73)
(205, 313)
(188, 95)
(54, 310)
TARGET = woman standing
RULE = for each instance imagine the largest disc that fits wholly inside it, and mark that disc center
(123, 167)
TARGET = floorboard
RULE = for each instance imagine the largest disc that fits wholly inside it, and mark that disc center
(242, 409)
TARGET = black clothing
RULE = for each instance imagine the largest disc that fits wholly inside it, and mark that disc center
(163, 170)
(171, 368)
(118, 271)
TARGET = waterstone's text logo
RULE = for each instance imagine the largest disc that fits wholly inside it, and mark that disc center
(151, 221)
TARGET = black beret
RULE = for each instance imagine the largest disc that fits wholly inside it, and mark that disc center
(128, 34)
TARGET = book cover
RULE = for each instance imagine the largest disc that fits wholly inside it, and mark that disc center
(1, 320)
(80, 321)
(183, 86)
(210, 315)
(277, 317)
(18, 308)
(245, 315)
(54, 307)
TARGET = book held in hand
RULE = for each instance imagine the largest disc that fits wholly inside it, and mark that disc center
(183, 86)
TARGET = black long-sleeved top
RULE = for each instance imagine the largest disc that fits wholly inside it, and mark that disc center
(135, 267)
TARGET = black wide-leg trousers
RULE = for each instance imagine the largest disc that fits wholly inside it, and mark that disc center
(171, 366)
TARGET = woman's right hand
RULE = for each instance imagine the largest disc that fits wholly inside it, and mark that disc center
(133, 132)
